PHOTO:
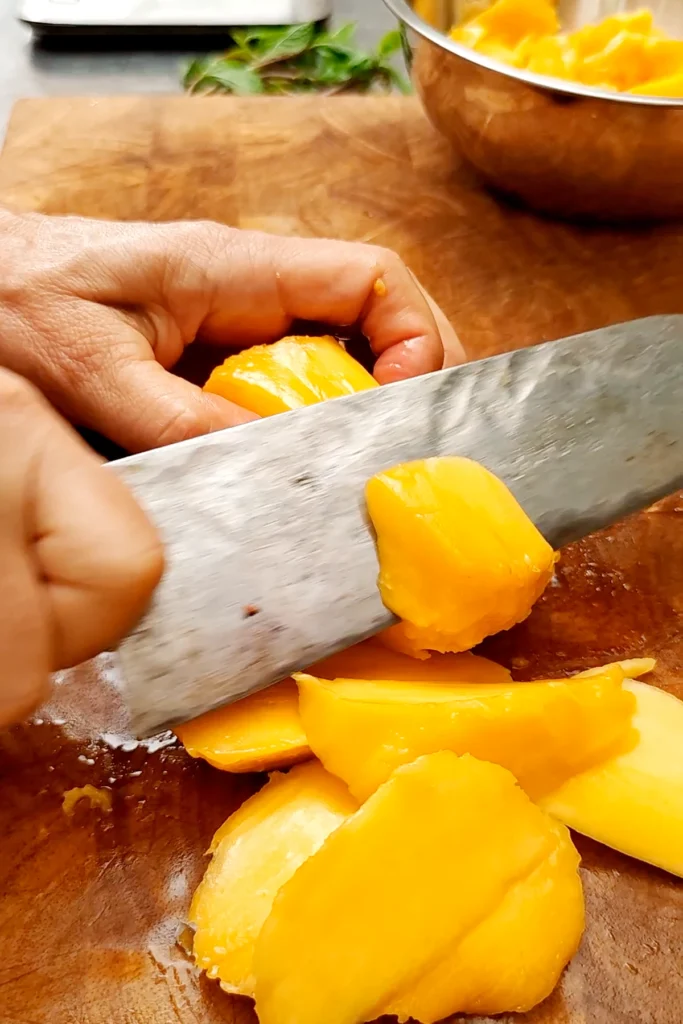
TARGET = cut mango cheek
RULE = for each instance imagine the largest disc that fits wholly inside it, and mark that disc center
(459, 559)
(255, 734)
(634, 802)
(254, 853)
(296, 371)
(401, 885)
(543, 732)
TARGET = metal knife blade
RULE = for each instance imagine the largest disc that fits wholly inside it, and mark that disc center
(271, 560)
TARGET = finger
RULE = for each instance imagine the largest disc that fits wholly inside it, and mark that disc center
(240, 287)
(109, 380)
(397, 363)
(147, 407)
(25, 642)
(95, 555)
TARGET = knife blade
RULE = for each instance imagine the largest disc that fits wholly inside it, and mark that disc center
(271, 561)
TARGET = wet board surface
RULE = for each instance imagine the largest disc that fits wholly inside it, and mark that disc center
(92, 905)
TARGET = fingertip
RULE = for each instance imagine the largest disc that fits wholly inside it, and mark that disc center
(407, 359)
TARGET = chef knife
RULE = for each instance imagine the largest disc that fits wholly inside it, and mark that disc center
(271, 562)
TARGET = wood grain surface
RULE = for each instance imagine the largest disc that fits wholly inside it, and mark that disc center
(92, 905)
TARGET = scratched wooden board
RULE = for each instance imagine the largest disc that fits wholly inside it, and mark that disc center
(91, 906)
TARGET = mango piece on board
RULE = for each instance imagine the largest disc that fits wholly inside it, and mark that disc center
(634, 802)
(543, 732)
(255, 734)
(514, 958)
(372, 659)
(459, 559)
(393, 892)
(296, 371)
(254, 853)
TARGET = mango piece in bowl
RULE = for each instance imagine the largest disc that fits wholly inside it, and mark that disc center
(624, 52)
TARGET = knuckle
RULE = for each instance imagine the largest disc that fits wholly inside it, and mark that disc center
(16, 392)
(182, 424)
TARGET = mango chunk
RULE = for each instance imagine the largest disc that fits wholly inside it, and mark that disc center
(372, 659)
(625, 52)
(296, 371)
(513, 959)
(543, 732)
(634, 801)
(459, 559)
(254, 853)
(399, 886)
(260, 732)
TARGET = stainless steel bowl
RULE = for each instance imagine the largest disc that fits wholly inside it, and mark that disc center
(561, 148)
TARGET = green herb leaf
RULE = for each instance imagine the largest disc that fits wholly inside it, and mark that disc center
(389, 44)
(297, 59)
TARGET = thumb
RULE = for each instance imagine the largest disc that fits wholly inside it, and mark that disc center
(151, 407)
(139, 405)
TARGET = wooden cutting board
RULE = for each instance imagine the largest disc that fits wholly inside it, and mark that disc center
(92, 905)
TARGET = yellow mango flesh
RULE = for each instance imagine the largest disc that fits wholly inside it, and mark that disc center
(513, 959)
(459, 559)
(254, 853)
(255, 734)
(634, 802)
(543, 732)
(371, 659)
(397, 887)
(293, 372)
(264, 731)
(624, 52)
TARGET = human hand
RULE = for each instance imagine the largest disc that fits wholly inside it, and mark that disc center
(79, 558)
(95, 313)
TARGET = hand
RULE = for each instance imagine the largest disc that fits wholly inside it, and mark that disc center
(79, 558)
(96, 313)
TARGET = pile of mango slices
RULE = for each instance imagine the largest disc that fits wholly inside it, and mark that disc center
(622, 53)
(416, 860)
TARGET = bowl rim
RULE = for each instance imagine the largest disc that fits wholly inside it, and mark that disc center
(407, 15)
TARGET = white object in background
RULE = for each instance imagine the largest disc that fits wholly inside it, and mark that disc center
(131, 14)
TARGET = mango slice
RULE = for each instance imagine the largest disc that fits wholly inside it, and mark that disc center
(296, 371)
(514, 958)
(371, 659)
(264, 731)
(634, 802)
(625, 52)
(543, 732)
(254, 853)
(459, 559)
(401, 884)
(255, 734)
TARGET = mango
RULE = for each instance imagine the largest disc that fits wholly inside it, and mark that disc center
(624, 52)
(459, 559)
(255, 734)
(264, 731)
(514, 958)
(543, 732)
(436, 854)
(254, 853)
(296, 371)
(371, 659)
(634, 802)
